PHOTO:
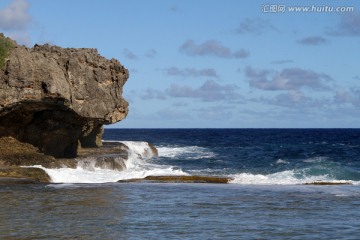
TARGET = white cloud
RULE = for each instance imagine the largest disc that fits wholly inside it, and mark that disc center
(191, 72)
(15, 19)
(151, 53)
(181, 104)
(208, 92)
(130, 55)
(295, 99)
(343, 96)
(287, 79)
(285, 61)
(347, 97)
(349, 25)
(21, 37)
(211, 48)
(15, 16)
(314, 41)
(255, 26)
(297, 89)
(151, 93)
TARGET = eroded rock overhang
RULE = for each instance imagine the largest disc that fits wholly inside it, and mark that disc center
(57, 98)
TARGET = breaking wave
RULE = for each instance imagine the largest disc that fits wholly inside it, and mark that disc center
(171, 161)
(186, 153)
(138, 165)
(283, 178)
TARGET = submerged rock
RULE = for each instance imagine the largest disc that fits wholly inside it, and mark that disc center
(329, 183)
(27, 174)
(108, 148)
(181, 179)
(110, 156)
(102, 162)
(15, 180)
(154, 150)
(55, 98)
(16, 153)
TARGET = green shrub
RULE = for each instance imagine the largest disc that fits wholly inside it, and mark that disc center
(5, 46)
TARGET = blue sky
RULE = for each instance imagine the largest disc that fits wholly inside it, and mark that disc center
(213, 63)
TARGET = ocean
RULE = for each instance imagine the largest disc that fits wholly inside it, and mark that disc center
(270, 196)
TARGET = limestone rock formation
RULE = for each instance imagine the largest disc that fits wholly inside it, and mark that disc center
(55, 98)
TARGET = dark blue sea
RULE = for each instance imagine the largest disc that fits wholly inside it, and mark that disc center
(271, 194)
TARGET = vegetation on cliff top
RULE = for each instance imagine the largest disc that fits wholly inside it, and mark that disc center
(6, 44)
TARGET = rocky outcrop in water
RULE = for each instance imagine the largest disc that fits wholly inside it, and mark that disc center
(181, 179)
(17, 159)
(23, 175)
(14, 154)
(57, 98)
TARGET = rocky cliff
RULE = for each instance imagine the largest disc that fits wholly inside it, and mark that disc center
(57, 98)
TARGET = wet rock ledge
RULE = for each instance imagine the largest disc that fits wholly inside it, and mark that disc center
(14, 154)
(17, 160)
(180, 179)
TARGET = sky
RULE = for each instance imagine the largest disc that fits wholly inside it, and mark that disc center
(213, 63)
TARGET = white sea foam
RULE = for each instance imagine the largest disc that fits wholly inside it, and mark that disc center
(141, 149)
(315, 159)
(281, 161)
(138, 165)
(188, 152)
(81, 175)
(281, 178)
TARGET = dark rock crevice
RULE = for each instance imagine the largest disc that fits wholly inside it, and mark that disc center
(53, 128)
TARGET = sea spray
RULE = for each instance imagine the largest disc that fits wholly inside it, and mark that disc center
(186, 152)
(98, 170)
(138, 152)
(289, 177)
(104, 162)
(81, 175)
(280, 178)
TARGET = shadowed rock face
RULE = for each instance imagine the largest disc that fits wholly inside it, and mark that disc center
(56, 97)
